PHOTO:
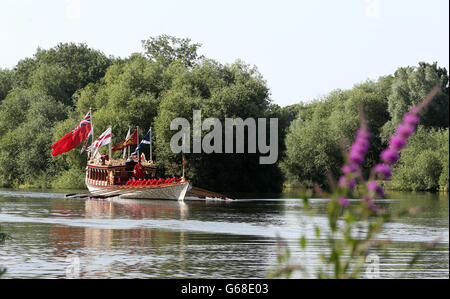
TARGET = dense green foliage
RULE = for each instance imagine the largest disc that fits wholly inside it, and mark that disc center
(219, 91)
(409, 87)
(44, 97)
(168, 80)
(314, 140)
(5, 82)
(424, 163)
(36, 102)
(166, 49)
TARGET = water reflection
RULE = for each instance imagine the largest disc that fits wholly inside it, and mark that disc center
(136, 209)
(194, 239)
(96, 247)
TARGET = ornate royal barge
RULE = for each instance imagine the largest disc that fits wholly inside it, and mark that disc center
(130, 176)
(109, 178)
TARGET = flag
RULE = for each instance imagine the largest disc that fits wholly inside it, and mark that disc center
(86, 141)
(94, 144)
(72, 139)
(125, 149)
(146, 140)
(131, 140)
(104, 139)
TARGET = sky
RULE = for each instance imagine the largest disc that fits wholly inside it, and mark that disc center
(303, 49)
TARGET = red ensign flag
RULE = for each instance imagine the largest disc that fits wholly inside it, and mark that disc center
(72, 139)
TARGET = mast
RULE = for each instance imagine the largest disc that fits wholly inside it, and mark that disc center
(92, 123)
(92, 129)
(182, 157)
(138, 151)
(151, 158)
(127, 149)
(109, 146)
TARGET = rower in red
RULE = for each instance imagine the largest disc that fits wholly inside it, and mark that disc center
(138, 170)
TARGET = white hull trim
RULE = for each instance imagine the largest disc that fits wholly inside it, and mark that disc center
(170, 192)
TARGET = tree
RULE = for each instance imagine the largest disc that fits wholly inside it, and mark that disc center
(128, 96)
(14, 107)
(372, 98)
(22, 72)
(312, 151)
(166, 49)
(61, 70)
(422, 166)
(410, 85)
(53, 80)
(219, 91)
(45, 96)
(6, 79)
(24, 143)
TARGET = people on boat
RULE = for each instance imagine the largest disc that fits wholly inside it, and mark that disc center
(103, 159)
(138, 170)
(152, 181)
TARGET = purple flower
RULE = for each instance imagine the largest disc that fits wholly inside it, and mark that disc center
(414, 110)
(363, 134)
(347, 183)
(343, 201)
(370, 203)
(373, 187)
(351, 183)
(362, 142)
(384, 170)
(405, 130)
(358, 149)
(389, 156)
(411, 119)
(349, 168)
(356, 158)
(373, 206)
(397, 142)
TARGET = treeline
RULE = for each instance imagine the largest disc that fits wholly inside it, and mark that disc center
(314, 142)
(45, 96)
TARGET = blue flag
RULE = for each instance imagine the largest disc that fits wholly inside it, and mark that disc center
(146, 140)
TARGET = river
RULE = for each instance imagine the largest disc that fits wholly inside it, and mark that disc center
(54, 237)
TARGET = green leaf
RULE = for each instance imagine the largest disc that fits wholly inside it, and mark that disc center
(317, 232)
(303, 242)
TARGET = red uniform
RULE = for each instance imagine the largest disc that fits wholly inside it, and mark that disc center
(139, 170)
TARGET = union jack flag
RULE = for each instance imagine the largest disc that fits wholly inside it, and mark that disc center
(85, 121)
(73, 138)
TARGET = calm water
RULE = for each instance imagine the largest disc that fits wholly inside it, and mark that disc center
(194, 239)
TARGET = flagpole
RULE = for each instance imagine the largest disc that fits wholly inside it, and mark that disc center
(93, 136)
(182, 157)
(126, 149)
(138, 151)
(92, 123)
(151, 158)
(109, 146)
